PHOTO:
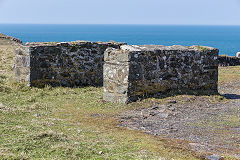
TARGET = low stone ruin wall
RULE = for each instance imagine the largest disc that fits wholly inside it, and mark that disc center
(128, 73)
(61, 64)
(17, 41)
(228, 61)
(132, 72)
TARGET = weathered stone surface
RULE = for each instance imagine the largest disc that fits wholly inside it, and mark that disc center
(132, 72)
(214, 157)
(17, 41)
(69, 64)
(228, 61)
(238, 54)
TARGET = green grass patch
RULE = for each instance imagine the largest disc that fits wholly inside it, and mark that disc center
(202, 48)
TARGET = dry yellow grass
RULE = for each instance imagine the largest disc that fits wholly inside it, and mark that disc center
(229, 74)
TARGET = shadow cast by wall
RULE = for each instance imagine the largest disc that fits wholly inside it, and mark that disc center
(172, 93)
(40, 84)
(231, 96)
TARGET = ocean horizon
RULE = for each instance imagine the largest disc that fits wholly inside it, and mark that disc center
(225, 38)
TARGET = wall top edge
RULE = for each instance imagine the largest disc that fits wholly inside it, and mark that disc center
(72, 43)
(136, 48)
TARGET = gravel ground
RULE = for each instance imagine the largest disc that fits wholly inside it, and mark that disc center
(206, 127)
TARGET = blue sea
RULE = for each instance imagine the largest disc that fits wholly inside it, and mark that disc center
(225, 38)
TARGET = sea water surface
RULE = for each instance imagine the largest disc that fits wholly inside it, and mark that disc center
(225, 38)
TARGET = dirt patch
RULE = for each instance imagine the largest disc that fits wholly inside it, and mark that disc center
(3, 107)
(207, 127)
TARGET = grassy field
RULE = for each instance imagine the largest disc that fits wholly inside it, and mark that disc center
(74, 123)
(229, 74)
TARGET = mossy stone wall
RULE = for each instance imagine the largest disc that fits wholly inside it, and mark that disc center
(228, 61)
(70, 64)
(132, 72)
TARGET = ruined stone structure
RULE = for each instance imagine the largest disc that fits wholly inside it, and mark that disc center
(17, 41)
(129, 72)
(61, 64)
(228, 61)
(132, 72)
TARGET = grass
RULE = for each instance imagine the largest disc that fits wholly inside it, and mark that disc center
(229, 74)
(202, 48)
(73, 123)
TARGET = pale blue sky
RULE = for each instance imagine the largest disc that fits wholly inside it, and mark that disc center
(193, 12)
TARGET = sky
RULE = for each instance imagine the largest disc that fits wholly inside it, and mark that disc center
(164, 12)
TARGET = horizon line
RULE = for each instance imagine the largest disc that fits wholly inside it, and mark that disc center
(119, 24)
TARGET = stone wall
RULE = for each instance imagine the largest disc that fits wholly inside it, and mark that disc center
(228, 61)
(132, 72)
(17, 41)
(22, 69)
(61, 64)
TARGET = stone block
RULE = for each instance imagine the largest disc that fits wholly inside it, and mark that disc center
(68, 64)
(150, 69)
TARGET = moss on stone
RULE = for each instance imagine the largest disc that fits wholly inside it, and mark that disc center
(50, 43)
(202, 48)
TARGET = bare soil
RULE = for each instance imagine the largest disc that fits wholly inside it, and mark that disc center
(207, 127)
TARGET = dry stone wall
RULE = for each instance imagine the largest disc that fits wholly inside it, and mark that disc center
(132, 72)
(62, 64)
(17, 41)
(228, 61)
(128, 73)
